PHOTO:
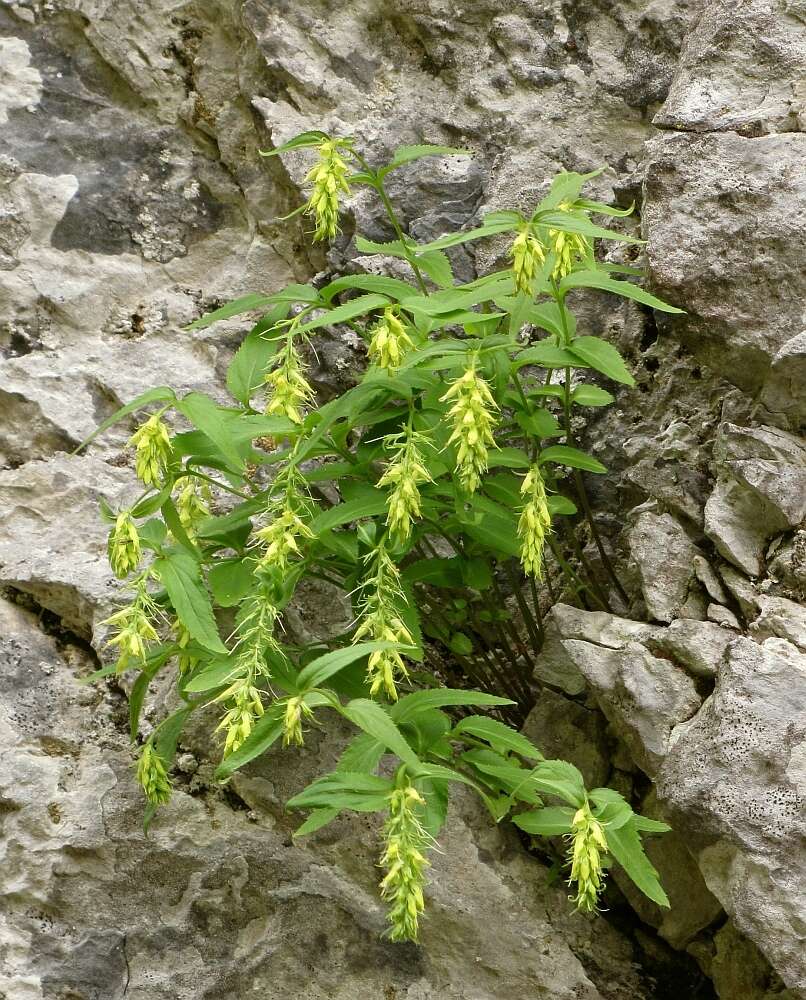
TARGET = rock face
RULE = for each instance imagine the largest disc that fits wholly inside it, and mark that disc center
(132, 200)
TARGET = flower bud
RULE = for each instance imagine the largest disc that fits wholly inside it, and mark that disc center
(534, 522)
(389, 342)
(473, 424)
(405, 844)
(123, 546)
(328, 178)
(588, 844)
(289, 390)
(153, 450)
(528, 255)
(152, 776)
(404, 474)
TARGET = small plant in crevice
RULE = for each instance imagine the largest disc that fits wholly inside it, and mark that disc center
(456, 472)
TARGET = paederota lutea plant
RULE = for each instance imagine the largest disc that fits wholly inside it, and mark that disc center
(431, 494)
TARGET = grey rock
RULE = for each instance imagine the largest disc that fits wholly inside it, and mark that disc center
(643, 696)
(740, 71)
(697, 646)
(721, 214)
(723, 616)
(665, 558)
(54, 544)
(564, 729)
(780, 617)
(783, 398)
(733, 785)
(106, 911)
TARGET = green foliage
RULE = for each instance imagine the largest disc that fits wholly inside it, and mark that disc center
(419, 532)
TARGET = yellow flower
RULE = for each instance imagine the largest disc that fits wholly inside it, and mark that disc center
(473, 424)
(328, 178)
(568, 248)
(123, 546)
(534, 523)
(153, 452)
(152, 776)
(389, 342)
(185, 661)
(289, 390)
(527, 254)
(405, 844)
(295, 709)
(404, 474)
(134, 628)
(380, 621)
(588, 844)
(245, 707)
(193, 505)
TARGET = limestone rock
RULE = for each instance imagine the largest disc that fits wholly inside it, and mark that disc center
(665, 557)
(721, 215)
(733, 784)
(783, 397)
(216, 895)
(697, 646)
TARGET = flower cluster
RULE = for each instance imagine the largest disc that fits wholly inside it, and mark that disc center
(405, 844)
(245, 707)
(588, 843)
(473, 423)
(568, 248)
(404, 474)
(123, 546)
(153, 450)
(134, 627)
(528, 255)
(279, 539)
(289, 390)
(186, 661)
(534, 523)
(295, 709)
(328, 178)
(193, 505)
(152, 776)
(390, 341)
(380, 621)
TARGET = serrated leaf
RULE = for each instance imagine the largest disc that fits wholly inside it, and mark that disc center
(455, 239)
(301, 141)
(343, 513)
(215, 675)
(371, 718)
(359, 306)
(559, 777)
(245, 373)
(602, 356)
(624, 843)
(394, 288)
(437, 266)
(230, 580)
(548, 355)
(407, 708)
(563, 454)
(599, 279)
(246, 303)
(214, 421)
(540, 423)
(407, 154)
(363, 753)
(181, 577)
(319, 818)
(501, 737)
(591, 395)
(551, 821)
(160, 394)
(325, 666)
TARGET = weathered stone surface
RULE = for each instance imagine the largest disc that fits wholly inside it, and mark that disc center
(665, 557)
(722, 213)
(733, 783)
(697, 646)
(782, 397)
(54, 542)
(219, 900)
(562, 728)
(740, 73)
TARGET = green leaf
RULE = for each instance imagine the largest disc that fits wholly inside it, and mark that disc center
(563, 454)
(455, 239)
(246, 303)
(437, 266)
(230, 580)
(599, 279)
(369, 716)
(211, 419)
(647, 825)
(603, 357)
(358, 306)
(245, 373)
(407, 154)
(565, 187)
(571, 222)
(553, 821)
(559, 777)
(323, 667)
(301, 141)
(363, 753)
(407, 708)
(549, 355)
(460, 644)
(539, 423)
(215, 675)
(156, 659)
(624, 844)
(394, 288)
(345, 790)
(268, 729)
(160, 394)
(343, 513)
(181, 577)
(591, 395)
(501, 737)
(318, 818)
